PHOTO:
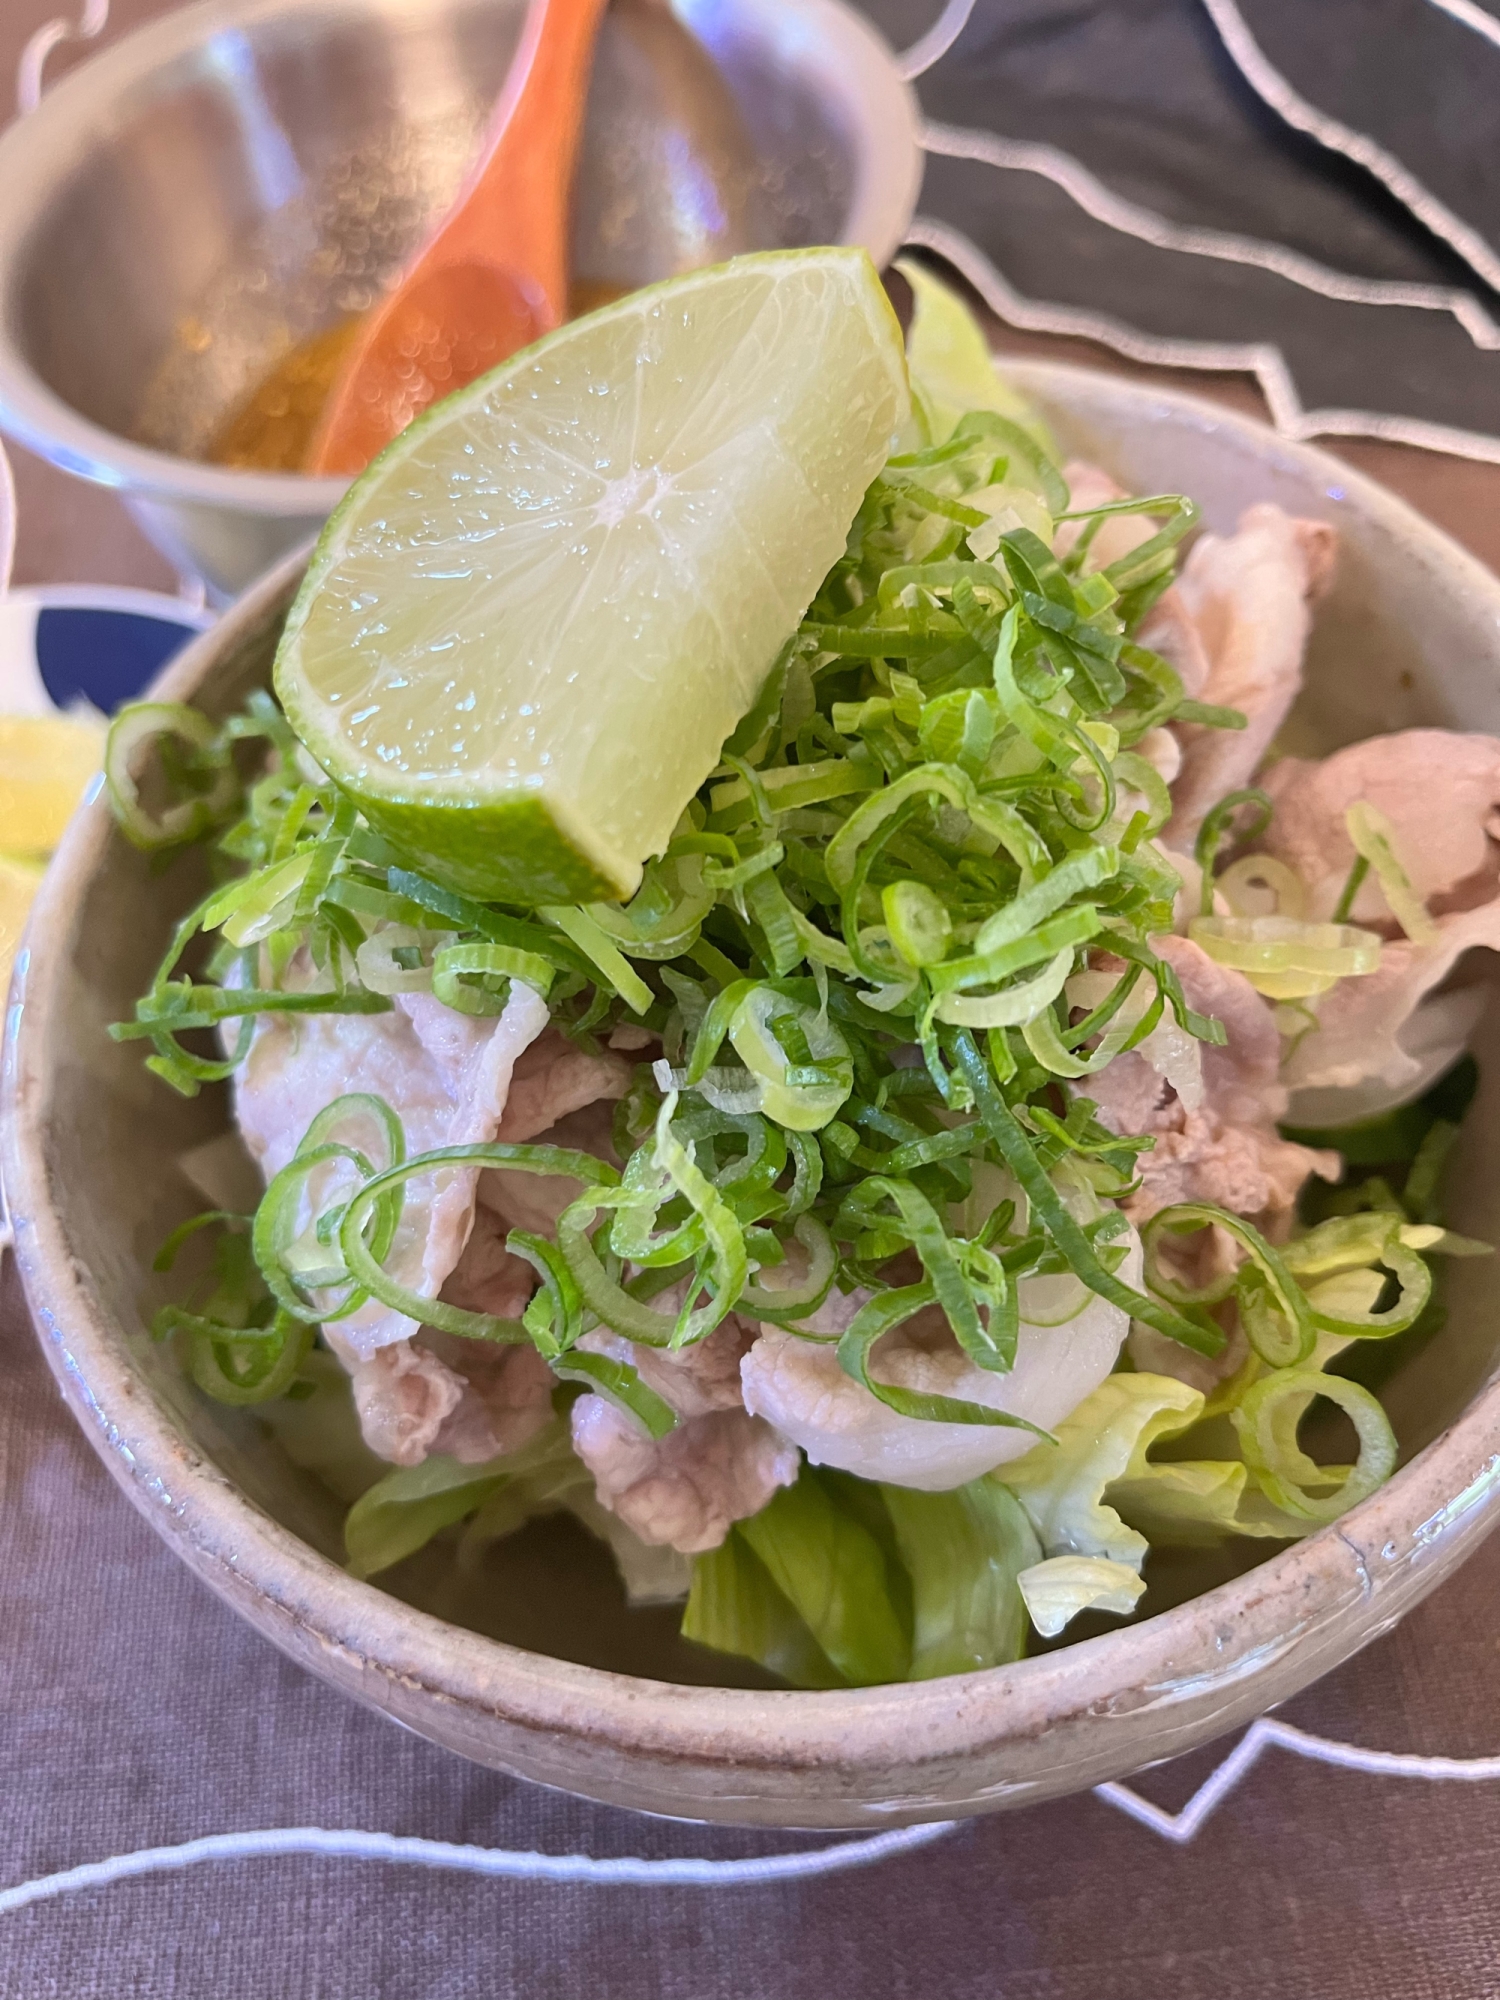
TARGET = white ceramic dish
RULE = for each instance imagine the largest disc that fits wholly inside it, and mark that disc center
(1411, 634)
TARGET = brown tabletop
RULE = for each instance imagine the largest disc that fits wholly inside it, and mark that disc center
(136, 1711)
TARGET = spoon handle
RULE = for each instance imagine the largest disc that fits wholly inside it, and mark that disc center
(514, 209)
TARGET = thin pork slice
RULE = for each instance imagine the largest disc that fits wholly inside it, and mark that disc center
(446, 1076)
(1381, 1039)
(1441, 793)
(1249, 598)
(719, 1466)
(553, 1079)
(1226, 1148)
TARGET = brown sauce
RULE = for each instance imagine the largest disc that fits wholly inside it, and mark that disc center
(272, 429)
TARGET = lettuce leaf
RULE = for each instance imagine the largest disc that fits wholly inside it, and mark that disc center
(832, 1571)
(1055, 1591)
(1098, 1493)
(963, 1551)
(840, 1582)
(952, 368)
(734, 1607)
(1190, 1502)
(402, 1512)
(1106, 1439)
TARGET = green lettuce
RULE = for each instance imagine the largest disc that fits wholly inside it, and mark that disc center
(963, 1551)
(1055, 1591)
(734, 1607)
(1105, 1440)
(832, 1570)
(402, 1512)
(952, 368)
(839, 1582)
(1098, 1493)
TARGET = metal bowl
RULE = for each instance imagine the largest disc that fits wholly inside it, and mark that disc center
(240, 174)
(560, 1683)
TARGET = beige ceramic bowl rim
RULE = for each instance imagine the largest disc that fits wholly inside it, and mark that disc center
(1223, 1637)
(40, 148)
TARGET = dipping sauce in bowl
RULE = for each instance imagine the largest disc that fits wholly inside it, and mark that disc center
(184, 210)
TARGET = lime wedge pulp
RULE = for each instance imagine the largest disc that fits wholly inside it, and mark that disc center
(535, 618)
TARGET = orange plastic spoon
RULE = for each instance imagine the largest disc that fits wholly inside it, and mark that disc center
(494, 276)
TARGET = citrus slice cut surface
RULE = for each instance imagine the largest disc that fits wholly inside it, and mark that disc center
(534, 620)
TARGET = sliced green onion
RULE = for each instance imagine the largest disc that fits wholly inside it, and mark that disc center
(596, 947)
(233, 1365)
(1072, 927)
(782, 1304)
(1375, 841)
(1357, 1242)
(1047, 1205)
(618, 1383)
(603, 1296)
(1273, 1307)
(475, 978)
(394, 960)
(1217, 825)
(363, 1265)
(721, 1229)
(662, 919)
(1088, 868)
(919, 924)
(801, 1090)
(146, 722)
(885, 1312)
(1266, 1423)
(1284, 957)
(1262, 873)
(251, 908)
(1014, 1006)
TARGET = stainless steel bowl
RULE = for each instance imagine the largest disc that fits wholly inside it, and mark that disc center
(238, 174)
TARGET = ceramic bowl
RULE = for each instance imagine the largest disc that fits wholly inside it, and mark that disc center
(563, 1685)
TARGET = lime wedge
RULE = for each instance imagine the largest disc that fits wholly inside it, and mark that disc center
(535, 618)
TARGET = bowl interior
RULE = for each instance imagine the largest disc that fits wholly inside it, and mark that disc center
(269, 177)
(1410, 634)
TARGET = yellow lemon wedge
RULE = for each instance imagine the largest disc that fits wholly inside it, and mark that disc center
(45, 763)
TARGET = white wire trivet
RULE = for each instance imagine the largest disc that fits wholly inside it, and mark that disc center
(1268, 82)
(693, 1872)
(1262, 359)
(92, 21)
